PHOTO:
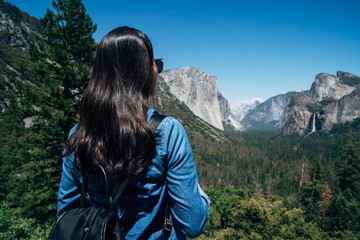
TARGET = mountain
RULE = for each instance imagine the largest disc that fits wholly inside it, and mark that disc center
(27, 164)
(268, 115)
(227, 116)
(241, 108)
(331, 100)
(16, 29)
(166, 103)
(327, 86)
(253, 171)
(198, 90)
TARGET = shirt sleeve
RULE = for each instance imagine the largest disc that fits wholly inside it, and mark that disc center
(188, 202)
(69, 192)
(69, 189)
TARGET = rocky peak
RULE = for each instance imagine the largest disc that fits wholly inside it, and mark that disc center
(345, 74)
(198, 90)
(348, 78)
(328, 86)
(331, 100)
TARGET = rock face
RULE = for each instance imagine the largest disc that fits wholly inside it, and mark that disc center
(166, 103)
(327, 86)
(346, 109)
(331, 100)
(16, 26)
(297, 116)
(226, 114)
(198, 90)
(267, 116)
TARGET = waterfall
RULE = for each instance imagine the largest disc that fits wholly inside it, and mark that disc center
(313, 129)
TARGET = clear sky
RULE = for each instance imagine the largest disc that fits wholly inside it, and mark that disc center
(255, 48)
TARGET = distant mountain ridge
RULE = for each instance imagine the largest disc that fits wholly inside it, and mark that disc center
(268, 115)
(241, 108)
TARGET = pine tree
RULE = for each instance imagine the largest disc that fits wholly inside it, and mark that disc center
(349, 170)
(344, 210)
(343, 213)
(65, 57)
(310, 194)
(62, 62)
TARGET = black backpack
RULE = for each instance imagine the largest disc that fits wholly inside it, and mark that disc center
(91, 222)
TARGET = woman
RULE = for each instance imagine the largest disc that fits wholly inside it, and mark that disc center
(114, 131)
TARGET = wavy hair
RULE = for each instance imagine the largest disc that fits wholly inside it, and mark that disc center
(113, 130)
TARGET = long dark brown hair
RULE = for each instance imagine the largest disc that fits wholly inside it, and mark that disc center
(113, 130)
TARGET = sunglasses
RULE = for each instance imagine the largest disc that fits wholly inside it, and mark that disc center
(159, 64)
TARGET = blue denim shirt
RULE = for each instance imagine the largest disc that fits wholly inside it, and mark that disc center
(141, 207)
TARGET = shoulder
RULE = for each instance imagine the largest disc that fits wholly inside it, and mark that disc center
(72, 130)
(174, 141)
(173, 126)
(168, 125)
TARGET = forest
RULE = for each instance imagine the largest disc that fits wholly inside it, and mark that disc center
(262, 185)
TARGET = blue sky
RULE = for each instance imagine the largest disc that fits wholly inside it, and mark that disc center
(254, 48)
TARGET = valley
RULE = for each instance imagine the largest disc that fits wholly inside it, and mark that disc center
(287, 169)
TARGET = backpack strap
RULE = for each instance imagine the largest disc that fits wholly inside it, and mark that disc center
(165, 234)
(85, 197)
(118, 190)
(155, 120)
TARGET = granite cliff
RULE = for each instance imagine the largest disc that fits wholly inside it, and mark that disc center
(198, 90)
(227, 115)
(331, 100)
